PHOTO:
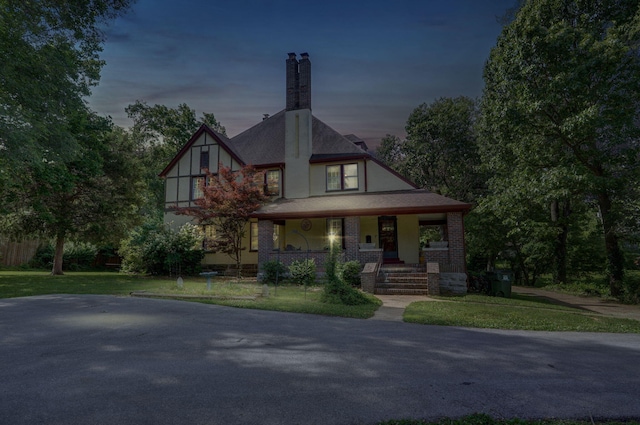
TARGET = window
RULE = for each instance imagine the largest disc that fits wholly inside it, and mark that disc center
(197, 183)
(210, 236)
(273, 182)
(350, 176)
(253, 236)
(342, 177)
(276, 236)
(335, 230)
(204, 160)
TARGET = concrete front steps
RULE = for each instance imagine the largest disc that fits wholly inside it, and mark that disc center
(402, 280)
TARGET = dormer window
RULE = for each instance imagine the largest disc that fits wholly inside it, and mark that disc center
(342, 177)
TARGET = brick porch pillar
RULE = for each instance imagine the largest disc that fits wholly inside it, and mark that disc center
(352, 237)
(265, 242)
(455, 230)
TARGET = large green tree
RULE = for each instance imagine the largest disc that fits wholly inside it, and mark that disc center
(441, 152)
(49, 60)
(560, 110)
(58, 174)
(93, 194)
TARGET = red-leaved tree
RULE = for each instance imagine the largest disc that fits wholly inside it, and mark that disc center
(229, 198)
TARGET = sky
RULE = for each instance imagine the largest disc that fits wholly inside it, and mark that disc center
(372, 61)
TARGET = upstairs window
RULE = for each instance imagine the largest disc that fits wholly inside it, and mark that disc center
(342, 177)
(204, 160)
(197, 184)
(272, 182)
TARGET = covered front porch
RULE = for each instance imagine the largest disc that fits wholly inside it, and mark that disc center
(382, 239)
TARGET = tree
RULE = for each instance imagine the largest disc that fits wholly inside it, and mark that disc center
(229, 198)
(155, 248)
(161, 132)
(93, 195)
(560, 107)
(390, 151)
(48, 63)
(441, 152)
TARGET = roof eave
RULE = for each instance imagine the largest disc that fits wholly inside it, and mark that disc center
(363, 212)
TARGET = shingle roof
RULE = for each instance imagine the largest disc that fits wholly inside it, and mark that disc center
(264, 142)
(418, 201)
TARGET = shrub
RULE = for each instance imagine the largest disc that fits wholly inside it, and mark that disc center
(273, 271)
(77, 256)
(631, 289)
(156, 249)
(303, 272)
(336, 291)
(351, 273)
(43, 257)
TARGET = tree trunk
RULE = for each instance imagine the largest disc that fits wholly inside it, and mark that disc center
(57, 256)
(560, 211)
(239, 262)
(615, 259)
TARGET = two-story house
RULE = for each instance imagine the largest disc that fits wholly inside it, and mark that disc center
(324, 186)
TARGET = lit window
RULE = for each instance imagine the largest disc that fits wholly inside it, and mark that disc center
(273, 182)
(342, 177)
(335, 230)
(350, 176)
(197, 184)
(253, 236)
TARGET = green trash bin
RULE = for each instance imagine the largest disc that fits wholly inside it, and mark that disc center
(501, 283)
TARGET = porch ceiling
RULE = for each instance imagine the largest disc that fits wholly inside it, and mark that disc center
(416, 201)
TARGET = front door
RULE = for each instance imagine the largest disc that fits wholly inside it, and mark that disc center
(388, 236)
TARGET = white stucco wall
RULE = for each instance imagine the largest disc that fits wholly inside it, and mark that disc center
(298, 150)
(380, 179)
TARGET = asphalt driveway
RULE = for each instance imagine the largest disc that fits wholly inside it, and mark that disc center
(68, 359)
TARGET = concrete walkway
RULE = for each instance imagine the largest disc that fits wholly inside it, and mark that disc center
(393, 306)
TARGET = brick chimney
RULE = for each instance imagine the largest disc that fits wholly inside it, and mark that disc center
(298, 82)
(304, 81)
(293, 85)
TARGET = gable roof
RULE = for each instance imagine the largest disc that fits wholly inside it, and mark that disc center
(264, 145)
(221, 139)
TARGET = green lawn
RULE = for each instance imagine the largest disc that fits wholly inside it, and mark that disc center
(519, 312)
(283, 298)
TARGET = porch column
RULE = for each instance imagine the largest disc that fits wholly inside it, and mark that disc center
(265, 241)
(352, 237)
(455, 229)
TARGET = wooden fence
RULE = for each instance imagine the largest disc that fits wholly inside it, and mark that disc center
(17, 253)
